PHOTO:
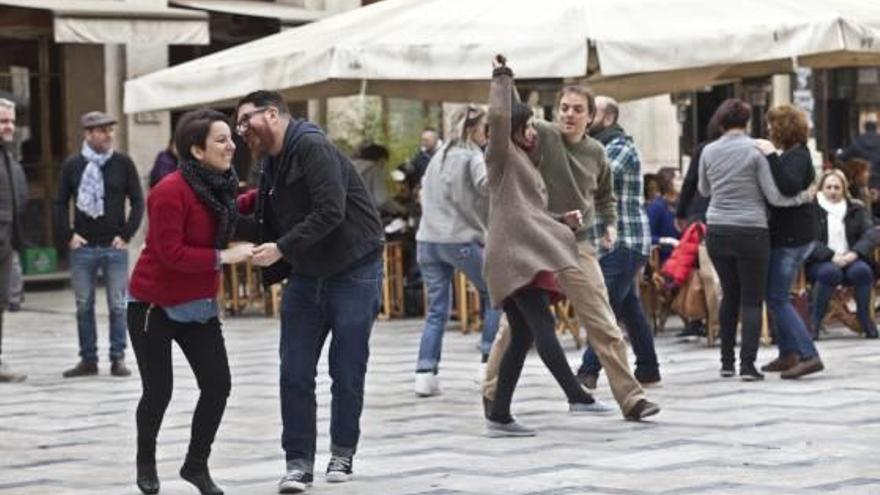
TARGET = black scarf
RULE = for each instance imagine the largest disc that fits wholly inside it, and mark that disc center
(609, 134)
(217, 192)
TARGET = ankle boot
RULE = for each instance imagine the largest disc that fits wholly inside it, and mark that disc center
(197, 473)
(147, 478)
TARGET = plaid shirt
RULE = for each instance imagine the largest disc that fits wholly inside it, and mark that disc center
(633, 231)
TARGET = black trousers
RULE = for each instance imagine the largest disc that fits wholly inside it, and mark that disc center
(741, 256)
(528, 313)
(151, 333)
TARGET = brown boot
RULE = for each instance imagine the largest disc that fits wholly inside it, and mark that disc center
(118, 368)
(812, 365)
(82, 368)
(781, 363)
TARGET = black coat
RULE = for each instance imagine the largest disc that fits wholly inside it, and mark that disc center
(315, 206)
(792, 173)
(861, 235)
(691, 204)
(866, 147)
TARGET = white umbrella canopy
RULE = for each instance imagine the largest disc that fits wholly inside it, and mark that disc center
(441, 49)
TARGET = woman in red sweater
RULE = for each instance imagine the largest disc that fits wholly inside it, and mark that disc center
(173, 289)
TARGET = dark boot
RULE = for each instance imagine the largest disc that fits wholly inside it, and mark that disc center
(196, 472)
(82, 368)
(147, 478)
(782, 363)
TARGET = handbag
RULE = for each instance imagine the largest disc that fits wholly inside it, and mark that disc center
(690, 301)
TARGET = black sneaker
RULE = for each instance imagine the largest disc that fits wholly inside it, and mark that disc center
(81, 369)
(295, 481)
(339, 469)
(748, 373)
(727, 371)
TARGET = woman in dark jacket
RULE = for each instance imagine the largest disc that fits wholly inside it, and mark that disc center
(792, 234)
(843, 253)
(174, 288)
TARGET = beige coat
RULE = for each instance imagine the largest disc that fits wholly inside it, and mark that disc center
(523, 237)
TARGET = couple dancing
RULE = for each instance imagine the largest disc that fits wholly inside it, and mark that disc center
(317, 228)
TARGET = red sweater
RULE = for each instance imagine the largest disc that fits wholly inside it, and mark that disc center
(179, 261)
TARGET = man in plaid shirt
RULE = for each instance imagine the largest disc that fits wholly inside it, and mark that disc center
(623, 260)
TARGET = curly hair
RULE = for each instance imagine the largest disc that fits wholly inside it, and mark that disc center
(788, 126)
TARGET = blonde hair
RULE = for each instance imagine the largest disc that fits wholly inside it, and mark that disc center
(8, 104)
(837, 173)
(464, 122)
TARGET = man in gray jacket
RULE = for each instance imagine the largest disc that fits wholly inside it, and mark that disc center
(11, 200)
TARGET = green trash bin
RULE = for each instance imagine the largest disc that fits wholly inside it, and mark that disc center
(40, 260)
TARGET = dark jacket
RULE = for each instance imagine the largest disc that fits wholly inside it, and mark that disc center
(792, 172)
(861, 235)
(19, 184)
(692, 205)
(121, 181)
(315, 206)
(866, 147)
(165, 164)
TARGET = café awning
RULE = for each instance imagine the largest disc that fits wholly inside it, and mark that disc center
(287, 14)
(108, 21)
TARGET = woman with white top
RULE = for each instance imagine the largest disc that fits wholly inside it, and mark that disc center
(846, 241)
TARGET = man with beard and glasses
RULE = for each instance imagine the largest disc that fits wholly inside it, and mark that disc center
(320, 231)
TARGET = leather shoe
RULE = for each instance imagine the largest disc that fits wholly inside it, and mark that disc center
(147, 478)
(781, 363)
(118, 368)
(82, 368)
(812, 365)
(200, 478)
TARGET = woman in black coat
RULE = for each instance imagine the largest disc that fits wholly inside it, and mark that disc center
(843, 255)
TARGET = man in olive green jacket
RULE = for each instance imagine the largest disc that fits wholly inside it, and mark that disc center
(577, 176)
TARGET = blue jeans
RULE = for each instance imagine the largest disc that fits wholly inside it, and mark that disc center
(792, 336)
(346, 304)
(827, 276)
(438, 263)
(619, 268)
(84, 265)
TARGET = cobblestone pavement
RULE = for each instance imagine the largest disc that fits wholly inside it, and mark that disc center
(714, 436)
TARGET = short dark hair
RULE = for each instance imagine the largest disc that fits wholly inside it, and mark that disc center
(264, 98)
(579, 90)
(373, 152)
(519, 117)
(193, 128)
(733, 113)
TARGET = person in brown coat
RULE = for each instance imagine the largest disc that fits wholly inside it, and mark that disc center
(525, 246)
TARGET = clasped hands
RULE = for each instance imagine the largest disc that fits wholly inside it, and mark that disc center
(263, 255)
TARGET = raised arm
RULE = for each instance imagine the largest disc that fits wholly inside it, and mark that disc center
(500, 104)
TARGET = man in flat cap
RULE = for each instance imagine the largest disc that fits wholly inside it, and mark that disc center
(98, 180)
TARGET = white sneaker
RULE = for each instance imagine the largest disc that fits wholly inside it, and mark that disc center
(480, 377)
(427, 384)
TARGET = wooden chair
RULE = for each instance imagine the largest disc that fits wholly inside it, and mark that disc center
(239, 287)
(567, 321)
(466, 304)
(392, 282)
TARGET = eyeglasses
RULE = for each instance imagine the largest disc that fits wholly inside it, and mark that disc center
(244, 122)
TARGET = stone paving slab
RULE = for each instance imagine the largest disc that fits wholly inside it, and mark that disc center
(814, 436)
